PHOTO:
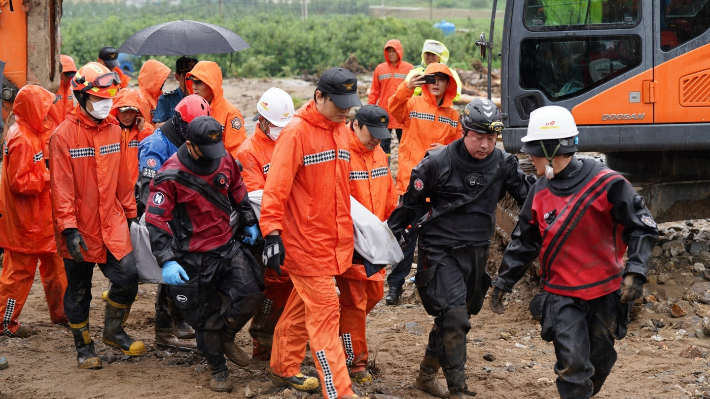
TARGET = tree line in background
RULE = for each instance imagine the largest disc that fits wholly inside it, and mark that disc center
(282, 43)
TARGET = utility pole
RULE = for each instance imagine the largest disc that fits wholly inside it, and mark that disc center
(431, 7)
(304, 10)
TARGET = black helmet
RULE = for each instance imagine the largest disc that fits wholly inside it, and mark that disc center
(482, 116)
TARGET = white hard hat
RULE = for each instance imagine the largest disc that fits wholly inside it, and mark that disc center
(276, 106)
(549, 123)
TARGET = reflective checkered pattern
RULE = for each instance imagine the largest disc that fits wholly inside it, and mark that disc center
(82, 152)
(133, 144)
(349, 353)
(4, 144)
(399, 76)
(7, 318)
(266, 167)
(109, 149)
(359, 175)
(384, 76)
(327, 376)
(320, 157)
(344, 155)
(422, 115)
(448, 121)
(38, 157)
(379, 172)
(265, 311)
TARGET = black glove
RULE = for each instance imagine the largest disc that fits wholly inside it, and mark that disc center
(402, 237)
(496, 301)
(131, 221)
(274, 253)
(631, 288)
(74, 241)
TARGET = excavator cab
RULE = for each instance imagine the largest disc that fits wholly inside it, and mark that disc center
(635, 75)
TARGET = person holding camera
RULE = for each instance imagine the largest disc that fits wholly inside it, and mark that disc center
(430, 121)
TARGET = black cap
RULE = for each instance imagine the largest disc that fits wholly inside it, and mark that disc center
(206, 133)
(376, 120)
(341, 86)
(185, 64)
(109, 56)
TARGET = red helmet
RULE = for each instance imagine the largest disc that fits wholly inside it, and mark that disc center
(94, 78)
(191, 107)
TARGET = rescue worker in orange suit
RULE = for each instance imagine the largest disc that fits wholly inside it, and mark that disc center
(275, 110)
(26, 231)
(154, 151)
(581, 218)
(457, 187)
(307, 202)
(387, 77)
(371, 185)
(188, 217)
(429, 122)
(151, 80)
(65, 101)
(108, 57)
(126, 109)
(92, 204)
(205, 80)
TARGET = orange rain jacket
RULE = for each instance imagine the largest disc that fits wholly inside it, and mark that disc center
(151, 79)
(25, 200)
(222, 110)
(65, 98)
(371, 185)
(255, 156)
(131, 137)
(387, 78)
(124, 78)
(424, 122)
(91, 186)
(307, 195)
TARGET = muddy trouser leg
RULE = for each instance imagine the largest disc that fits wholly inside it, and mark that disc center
(608, 320)
(77, 298)
(123, 276)
(162, 308)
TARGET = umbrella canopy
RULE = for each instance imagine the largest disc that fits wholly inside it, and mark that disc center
(183, 38)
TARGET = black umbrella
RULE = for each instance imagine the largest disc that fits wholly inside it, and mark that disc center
(183, 38)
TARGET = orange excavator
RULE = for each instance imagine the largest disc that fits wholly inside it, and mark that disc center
(30, 45)
(635, 75)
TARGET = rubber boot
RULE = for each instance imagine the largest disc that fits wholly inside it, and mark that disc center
(182, 330)
(456, 380)
(164, 335)
(426, 381)
(86, 356)
(114, 335)
(220, 382)
(230, 349)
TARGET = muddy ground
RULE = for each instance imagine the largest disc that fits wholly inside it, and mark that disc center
(44, 366)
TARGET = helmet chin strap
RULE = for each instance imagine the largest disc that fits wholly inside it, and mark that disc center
(549, 170)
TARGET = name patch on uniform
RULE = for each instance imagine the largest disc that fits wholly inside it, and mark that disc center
(158, 198)
(237, 123)
(418, 185)
(648, 221)
(148, 173)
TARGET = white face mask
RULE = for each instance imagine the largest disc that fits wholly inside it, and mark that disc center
(101, 108)
(274, 132)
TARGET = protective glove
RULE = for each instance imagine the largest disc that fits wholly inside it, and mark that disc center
(274, 253)
(402, 237)
(631, 288)
(131, 221)
(173, 273)
(252, 234)
(74, 242)
(496, 301)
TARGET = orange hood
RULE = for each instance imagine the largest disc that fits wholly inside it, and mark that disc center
(152, 77)
(68, 64)
(32, 105)
(127, 98)
(397, 46)
(450, 91)
(210, 74)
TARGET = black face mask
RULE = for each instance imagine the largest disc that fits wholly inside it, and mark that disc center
(180, 126)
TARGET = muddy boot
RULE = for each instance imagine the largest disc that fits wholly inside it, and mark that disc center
(361, 377)
(182, 330)
(22, 332)
(230, 349)
(456, 380)
(426, 381)
(114, 335)
(220, 382)
(299, 382)
(86, 356)
(164, 335)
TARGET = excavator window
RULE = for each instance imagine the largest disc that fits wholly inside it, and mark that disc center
(581, 14)
(682, 20)
(562, 67)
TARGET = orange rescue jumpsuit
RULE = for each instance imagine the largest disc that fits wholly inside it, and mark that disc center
(424, 121)
(307, 199)
(371, 185)
(131, 136)
(151, 79)
(65, 99)
(25, 205)
(255, 156)
(386, 79)
(227, 114)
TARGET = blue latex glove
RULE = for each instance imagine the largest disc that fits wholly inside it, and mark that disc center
(173, 273)
(253, 233)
